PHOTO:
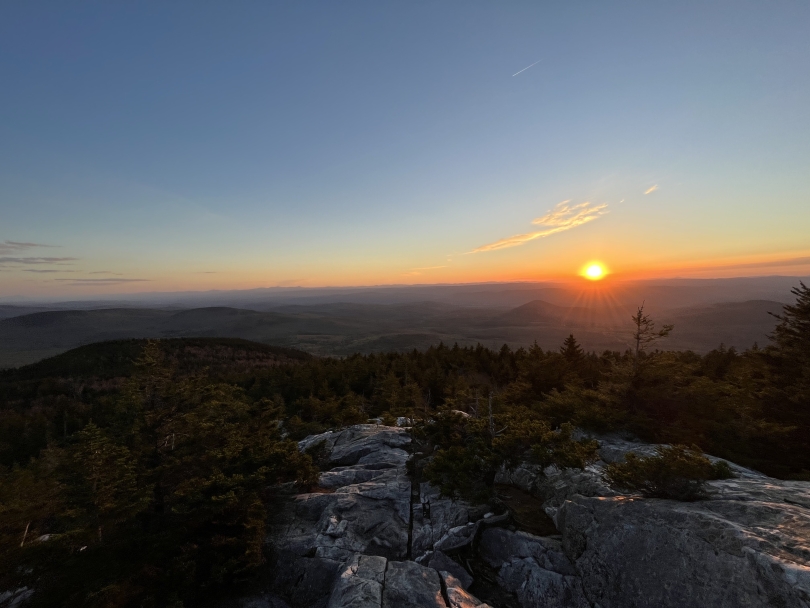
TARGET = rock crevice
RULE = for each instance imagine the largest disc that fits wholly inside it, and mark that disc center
(349, 542)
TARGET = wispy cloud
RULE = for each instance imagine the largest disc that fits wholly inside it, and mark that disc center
(292, 283)
(47, 270)
(6, 260)
(88, 282)
(12, 257)
(563, 217)
(118, 274)
(417, 271)
(796, 265)
(651, 189)
(15, 246)
(802, 261)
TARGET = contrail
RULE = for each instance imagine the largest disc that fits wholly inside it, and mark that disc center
(526, 68)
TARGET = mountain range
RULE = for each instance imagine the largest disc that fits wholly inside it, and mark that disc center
(342, 328)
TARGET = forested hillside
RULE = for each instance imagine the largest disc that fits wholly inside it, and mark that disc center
(341, 329)
(141, 473)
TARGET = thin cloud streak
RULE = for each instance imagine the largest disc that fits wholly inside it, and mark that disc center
(46, 270)
(771, 266)
(417, 271)
(89, 282)
(563, 217)
(526, 68)
(651, 190)
(34, 260)
(14, 246)
(803, 261)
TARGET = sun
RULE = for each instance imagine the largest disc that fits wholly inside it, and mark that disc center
(594, 271)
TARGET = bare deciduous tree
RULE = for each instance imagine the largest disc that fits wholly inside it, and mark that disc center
(645, 333)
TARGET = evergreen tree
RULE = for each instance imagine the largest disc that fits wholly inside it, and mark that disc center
(572, 351)
(103, 477)
(789, 391)
(792, 335)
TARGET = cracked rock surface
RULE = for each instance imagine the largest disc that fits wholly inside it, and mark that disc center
(349, 544)
(364, 540)
(748, 545)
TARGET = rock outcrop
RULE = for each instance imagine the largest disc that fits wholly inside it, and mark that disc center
(15, 597)
(349, 543)
(534, 568)
(367, 537)
(748, 545)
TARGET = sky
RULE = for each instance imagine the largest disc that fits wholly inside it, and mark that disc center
(160, 146)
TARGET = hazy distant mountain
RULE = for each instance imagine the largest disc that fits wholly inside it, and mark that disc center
(539, 311)
(8, 311)
(659, 295)
(343, 328)
(738, 324)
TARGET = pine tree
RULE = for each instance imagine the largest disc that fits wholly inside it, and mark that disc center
(792, 361)
(105, 481)
(792, 335)
(572, 351)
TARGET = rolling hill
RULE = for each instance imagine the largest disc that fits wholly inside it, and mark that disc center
(343, 328)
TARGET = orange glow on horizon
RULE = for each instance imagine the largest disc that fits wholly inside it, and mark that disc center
(160, 276)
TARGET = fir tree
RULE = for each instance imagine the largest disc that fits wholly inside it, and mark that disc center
(792, 335)
(572, 351)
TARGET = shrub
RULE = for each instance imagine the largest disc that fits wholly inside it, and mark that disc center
(467, 452)
(463, 472)
(678, 472)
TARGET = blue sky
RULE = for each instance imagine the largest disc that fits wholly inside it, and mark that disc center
(160, 146)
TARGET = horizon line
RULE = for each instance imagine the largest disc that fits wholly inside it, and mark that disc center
(611, 279)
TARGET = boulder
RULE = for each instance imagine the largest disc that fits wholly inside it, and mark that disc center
(441, 562)
(306, 582)
(463, 537)
(363, 444)
(360, 583)
(373, 582)
(534, 568)
(409, 585)
(747, 546)
(15, 597)
(554, 486)
(445, 514)
(499, 546)
(457, 538)
(535, 586)
(364, 502)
